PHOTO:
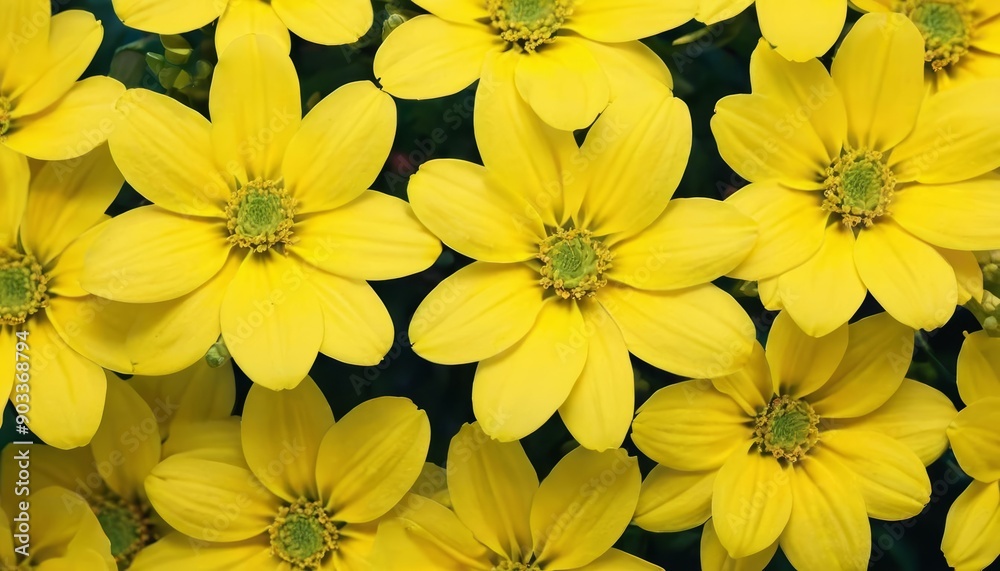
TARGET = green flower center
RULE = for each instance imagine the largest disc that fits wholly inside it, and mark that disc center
(513, 566)
(4, 116)
(303, 534)
(127, 527)
(22, 287)
(859, 187)
(946, 26)
(527, 24)
(261, 215)
(574, 263)
(787, 428)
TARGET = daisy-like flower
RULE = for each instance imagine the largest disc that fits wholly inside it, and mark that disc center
(54, 336)
(797, 450)
(262, 228)
(504, 520)
(581, 258)
(860, 183)
(961, 37)
(303, 493)
(45, 112)
(571, 56)
(64, 533)
(109, 473)
(327, 22)
(972, 530)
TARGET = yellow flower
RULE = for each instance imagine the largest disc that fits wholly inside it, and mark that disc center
(571, 56)
(860, 183)
(961, 37)
(799, 31)
(327, 22)
(64, 534)
(503, 520)
(45, 112)
(109, 473)
(262, 228)
(303, 493)
(48, 219)
(973, 524)
(581, 258)
(797, 450)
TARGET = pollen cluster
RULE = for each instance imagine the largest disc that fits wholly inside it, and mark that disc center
(261, 215)
(126, 525)
(22, 287)
(859, 187)
(4, 116)
(303, 534)
(787, 428)
(573, 263)
(946, 26)
(527, 24)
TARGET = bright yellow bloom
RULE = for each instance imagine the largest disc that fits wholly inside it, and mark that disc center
(860, 183)
(262, 228)
(961, 37)
(64, 533)
(799, 31)
(571, 56)
(503, 520)
(294, 491)
(327, 22)
(109, 473)
(797, 450)
(972, 530)
(581, 258)
(48, 219)
(45, 112)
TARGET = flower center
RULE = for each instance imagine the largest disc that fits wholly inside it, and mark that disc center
(303, 534)
(22, 287)
(4, 116)
(859, 187)
(512, 566)
(573, 263)
(528, 24)
(787, 428)
(261, 215)
(946, 26)
(127, 527)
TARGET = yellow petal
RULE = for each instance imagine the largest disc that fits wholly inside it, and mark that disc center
(20, 52)
(374, 237)
(672, 500)
(908, 277)
(243, 17)
(825, 291)
(177, 550)
(71, 469)
(968, 274)
(634, 157)
(751, 503)
(800, 31)
(706, 335)
(599, 409)
(95, 328)
(492, 485)
(694, 241)
(751, 386)
(978, 369)
(959, 216)
(197, 393)
(66, 199)
(916, 415)
(714, 555)
(516, 391)
(164, 149)
(326, 23)
(790, 228)
(457, 322)
(975, 437)
(462, 11)
(800, 364)
(691, 426)
(871, 370)
(14, 177)
(571, 527)
(952, 140)
(340, 148)
(65, 273)
(271, 321)
(972, 527)
(629, 66)
(255, 105)
(615, 560)
(883, 49)
(616, 21)
(564, 84)
(67, 533)
(138, 256)
(428, 57)
(174, 17)
(128, 439)
(432, 484)
(497, 225)
(357, 328)
(76, 124)
(286, 426)
(828, 525)
(216, 440)
(193, 495)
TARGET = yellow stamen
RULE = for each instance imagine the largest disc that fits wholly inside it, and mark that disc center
(4, 117)
(859, 187)
(528, 24)
(947, 28)
(261, 215)
(303, 534)
(127, 526)
(22, 287)
(787, 428)
(574, 263)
